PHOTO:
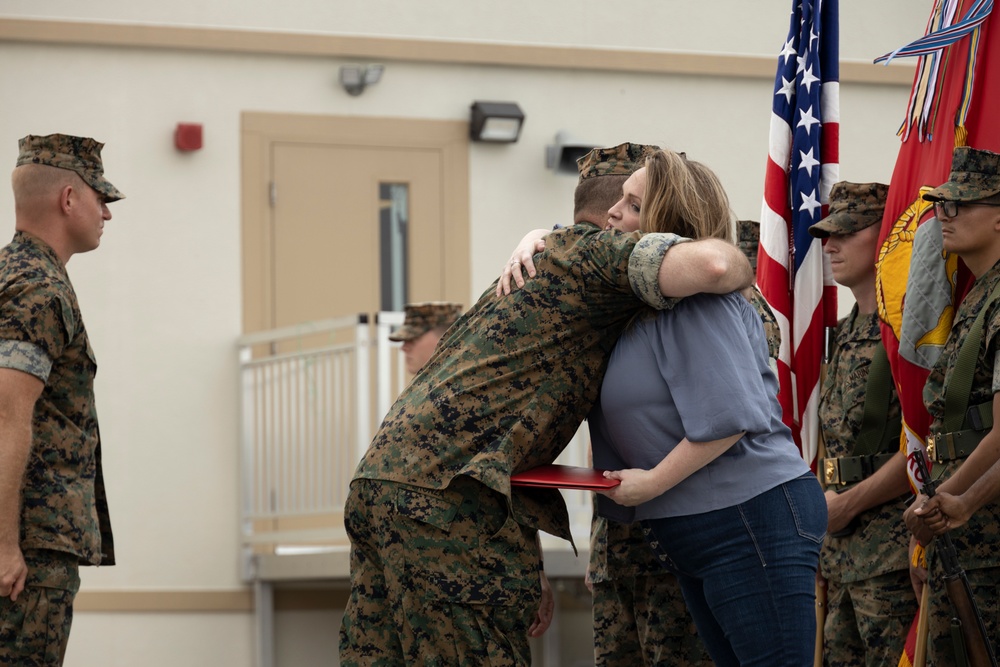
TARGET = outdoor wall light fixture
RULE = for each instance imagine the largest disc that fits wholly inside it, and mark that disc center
(561, 156)
(497, 122)
(355, 78)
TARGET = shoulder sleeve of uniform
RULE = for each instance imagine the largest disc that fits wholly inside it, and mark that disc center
(25, 357)
(36, 315)
(644, 268)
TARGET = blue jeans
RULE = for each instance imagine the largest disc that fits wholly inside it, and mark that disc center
(748, 574)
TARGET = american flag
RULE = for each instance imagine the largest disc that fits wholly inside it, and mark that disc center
(802, 166)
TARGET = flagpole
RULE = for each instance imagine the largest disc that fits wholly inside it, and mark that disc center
(820, 623)
(920, 650)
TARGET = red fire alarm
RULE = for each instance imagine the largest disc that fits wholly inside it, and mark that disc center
(187, 136)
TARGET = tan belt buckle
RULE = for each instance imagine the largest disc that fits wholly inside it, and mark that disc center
(831, 471)
(932, 448)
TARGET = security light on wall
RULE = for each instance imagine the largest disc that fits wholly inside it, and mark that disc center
(497, 122)
(355, 78)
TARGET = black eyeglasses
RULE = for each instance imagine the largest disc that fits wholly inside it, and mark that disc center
(949, 209)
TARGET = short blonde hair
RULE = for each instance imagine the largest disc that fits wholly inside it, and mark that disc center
(684, 197)
(34, 182)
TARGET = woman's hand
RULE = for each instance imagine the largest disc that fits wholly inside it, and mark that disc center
(687, 457)
(522, 256)
(637, 486)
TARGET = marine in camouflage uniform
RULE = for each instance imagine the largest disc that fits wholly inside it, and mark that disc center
(60, 515)
(975, 178)
(870, 601)
(444, 557)
(639, 613)
(423, 326)
(419, 318)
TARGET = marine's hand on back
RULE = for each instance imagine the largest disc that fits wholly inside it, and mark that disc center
(534, 241)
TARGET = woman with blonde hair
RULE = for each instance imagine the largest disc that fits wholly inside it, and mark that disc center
(684, 197)
(688, 421)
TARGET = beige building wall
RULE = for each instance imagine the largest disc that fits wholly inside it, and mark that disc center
(162, 298)
(725, 26)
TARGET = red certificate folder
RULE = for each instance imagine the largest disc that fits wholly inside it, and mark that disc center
(557, 476)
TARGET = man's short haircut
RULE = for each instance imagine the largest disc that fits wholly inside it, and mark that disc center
(34, 182)
(594, 196)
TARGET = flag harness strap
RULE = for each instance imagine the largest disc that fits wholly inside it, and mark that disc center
(876, 436)
(956, 442)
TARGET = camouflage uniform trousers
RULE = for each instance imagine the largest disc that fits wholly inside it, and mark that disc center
(641, 620)
(867, 621)
(438, 577)
(34, 630)
(985, 584)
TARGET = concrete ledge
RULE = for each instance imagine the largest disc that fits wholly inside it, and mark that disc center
(334, 564)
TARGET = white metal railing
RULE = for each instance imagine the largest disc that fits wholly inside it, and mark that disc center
(390, 376)
(304, 423)
(312, 397)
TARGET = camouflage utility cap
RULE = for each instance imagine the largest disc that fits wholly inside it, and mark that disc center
(422, 317)
(853, 207)
(622, 159)
(975, 174)
(79, 154)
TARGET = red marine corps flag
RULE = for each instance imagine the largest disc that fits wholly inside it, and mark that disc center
(792, 271)
(954, 101)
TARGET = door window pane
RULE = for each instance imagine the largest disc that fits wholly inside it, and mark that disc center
(394, 216)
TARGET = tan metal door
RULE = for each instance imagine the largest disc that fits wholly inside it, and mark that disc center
(326, 228)
(313, 198)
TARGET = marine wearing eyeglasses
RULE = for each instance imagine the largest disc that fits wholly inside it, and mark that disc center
(968, 208)
(948, 208)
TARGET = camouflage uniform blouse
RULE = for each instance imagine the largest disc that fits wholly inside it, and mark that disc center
(513, 378)
(41, 332)
(879, 544)
(977, 541)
